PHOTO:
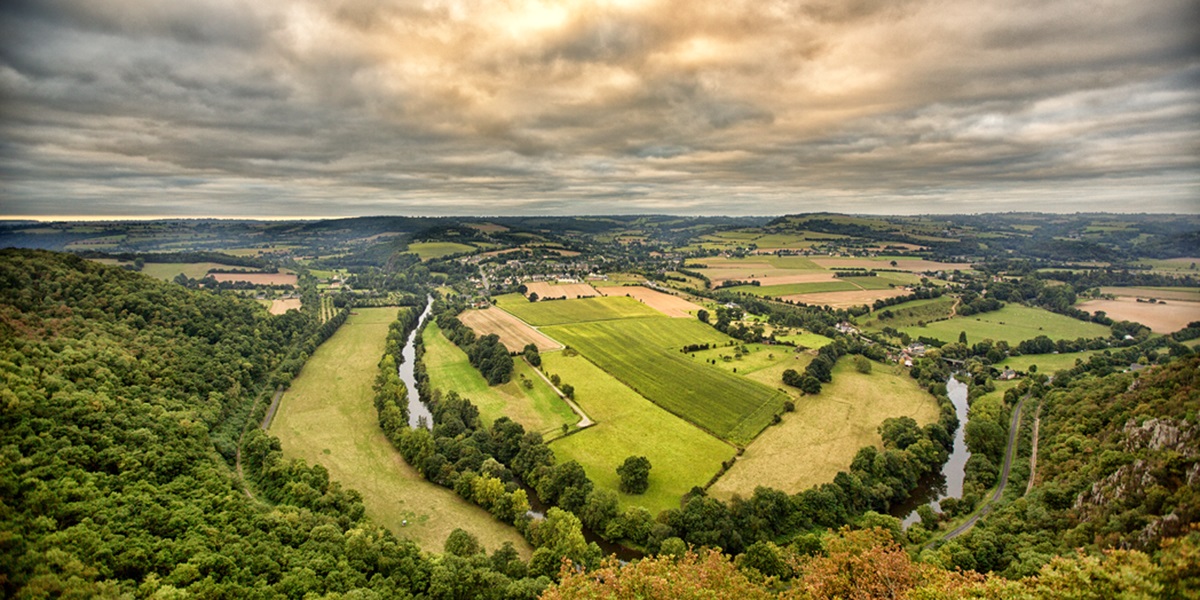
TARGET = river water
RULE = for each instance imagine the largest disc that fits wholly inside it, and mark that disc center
(949, 482)
(416, 409)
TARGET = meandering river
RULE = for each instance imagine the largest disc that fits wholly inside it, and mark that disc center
(949, 482)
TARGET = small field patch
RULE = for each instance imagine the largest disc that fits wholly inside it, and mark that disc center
(1158, 293)
(672, 306)
(278, 307)
(1013, 323)
(431, 250)
(558, 312)
(258, 278)
(1160, 317)
(545, 289)
(514, 334)
(1046, 363)
(846, 299)
(822, 436)
(792, 289)
(916, 265)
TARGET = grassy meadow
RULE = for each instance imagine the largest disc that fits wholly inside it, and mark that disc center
(910, 313)
(822, 436)
(428, 250)
(328, 417)
(681, 455)
(1046, 363)
(789, 289)
(558, 312)
(640, 353)
(536, 407)
(1013, 323)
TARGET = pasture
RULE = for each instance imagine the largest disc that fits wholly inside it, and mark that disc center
(672, 306)
(1160, 317)
(905, 263)
(1013, 323)
(546, 289)
(642, 354)
(822, 436)
(792, 289)
(169, 271)
(803, 339)
(681, 455)
(1159, 293)
(1046, 363)
(558, 312)
(514, 334)
(537, 407)
(431, 250)
(909, 313)
(744, 359)
(258, 278)
(328, 418)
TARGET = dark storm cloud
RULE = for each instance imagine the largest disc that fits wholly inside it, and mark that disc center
(133, 107)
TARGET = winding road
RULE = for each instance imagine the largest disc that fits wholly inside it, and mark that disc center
(1009, 453)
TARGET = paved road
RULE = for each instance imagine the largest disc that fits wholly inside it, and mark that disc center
(1009, 453)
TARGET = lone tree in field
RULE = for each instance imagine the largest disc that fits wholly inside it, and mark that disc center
(635, 474)
(532, 355)
(702, 315)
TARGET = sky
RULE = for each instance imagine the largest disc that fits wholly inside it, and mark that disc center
(128, 108)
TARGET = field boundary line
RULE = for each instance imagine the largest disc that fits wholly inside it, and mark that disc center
(584, 420)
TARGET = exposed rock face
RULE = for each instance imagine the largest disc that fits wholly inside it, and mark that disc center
(1128, 480)
(1162, 434)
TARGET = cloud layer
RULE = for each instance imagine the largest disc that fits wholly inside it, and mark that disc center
(340, 107)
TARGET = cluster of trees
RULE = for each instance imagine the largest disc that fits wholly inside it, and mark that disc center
(486, 353)
(978, 304)
(921, 293)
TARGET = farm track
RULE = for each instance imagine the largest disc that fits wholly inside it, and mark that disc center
(270, 416)
(1037, 421)
(1009, 453)
(584, 420)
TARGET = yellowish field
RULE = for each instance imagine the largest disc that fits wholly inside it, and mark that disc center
(798, 278)
(846, 299)
(545, 289)
(1191, 294)
(907, 264)
(1160, 318)
(822, 436)
(328, 418)
(258, 278)
(672, 306)
(513, 332)
(278, 307)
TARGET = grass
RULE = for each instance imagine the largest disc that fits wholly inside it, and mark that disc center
(328, 418)
(558, 312)
(731, 358)
(788, 289)
(537, 407)
(822, 436)
(910, 313)
(168, 271)
(805, 339)
(681, 455)
(1013, 323)
(1046, 363)
(641, 354)
(429, 250)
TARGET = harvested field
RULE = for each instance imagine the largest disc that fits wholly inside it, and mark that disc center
(258, 278)
(514, 333)
(1160, 318)
(1183, 293)
(908, 264)
(672, 306)
(278, 307)
(846, 299)
(545, 289)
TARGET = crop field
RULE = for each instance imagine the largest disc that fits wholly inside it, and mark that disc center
(558, 312)
(822, 436)
(278, 307)
(672, 306)
(536, 407)
(792, 289)
(514, 334)
(755, 267)
(681, 455)
(429, 250)
(804, 338)
(328, 417)
(1013, 323)
(1046, 363)
(638, 353)
(1160, 317)
(1159, 293)
(846, 299)
(796, 278)
(906, 263)
(910, 313)
(656, 331)
(545, 289)
(258, 278)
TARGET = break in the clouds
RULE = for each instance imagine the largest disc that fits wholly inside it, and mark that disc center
(343, 107)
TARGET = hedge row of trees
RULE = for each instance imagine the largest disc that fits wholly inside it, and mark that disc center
(486, 353)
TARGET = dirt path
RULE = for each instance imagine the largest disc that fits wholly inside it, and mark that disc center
(1037, 421)
(584, 420)
(1009, 452)
(954, 309)
(266, 423)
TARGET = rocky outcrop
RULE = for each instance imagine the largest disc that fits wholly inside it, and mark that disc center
(1162, 434)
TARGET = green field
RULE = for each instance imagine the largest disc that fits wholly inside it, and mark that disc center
(1013, 323)
(744, 359)
(1046, 363)
(558, 312)
(910, 313)
(428, 250)
(788, 289)
(328, 417)
(642, 353)
(168, 271)
(822, 436)
(681, 455)
(805, 339)
(537, 407)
